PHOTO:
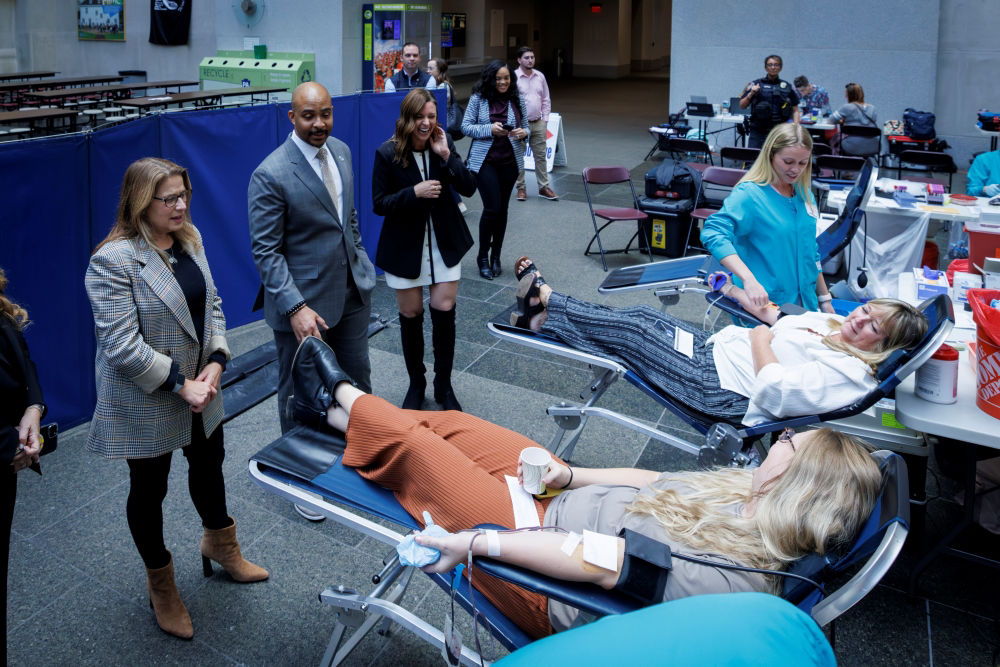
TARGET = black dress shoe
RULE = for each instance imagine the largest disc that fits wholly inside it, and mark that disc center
(447, 400)
(315, 374)
(484, 268)
(495, 265)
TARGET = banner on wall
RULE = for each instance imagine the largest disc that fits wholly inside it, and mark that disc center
(100, 20)
(169, 22)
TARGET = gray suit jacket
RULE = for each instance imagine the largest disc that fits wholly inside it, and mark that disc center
(298, 241)
(143, 325)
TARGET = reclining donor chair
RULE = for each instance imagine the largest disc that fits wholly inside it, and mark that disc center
(304, 467)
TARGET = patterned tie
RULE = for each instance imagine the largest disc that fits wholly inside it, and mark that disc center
(331, 185)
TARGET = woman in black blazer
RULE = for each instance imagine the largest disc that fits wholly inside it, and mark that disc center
(423, 239)
(21, 410)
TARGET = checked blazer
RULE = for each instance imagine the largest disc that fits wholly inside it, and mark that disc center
(143, 324)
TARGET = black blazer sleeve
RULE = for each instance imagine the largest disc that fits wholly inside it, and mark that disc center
(24, 375)
(392, 186)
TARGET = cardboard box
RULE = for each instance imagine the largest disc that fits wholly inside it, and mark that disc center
(930, 282)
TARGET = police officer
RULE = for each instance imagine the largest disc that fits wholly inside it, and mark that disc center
(771, 100)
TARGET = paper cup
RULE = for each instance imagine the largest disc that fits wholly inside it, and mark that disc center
(535, 463)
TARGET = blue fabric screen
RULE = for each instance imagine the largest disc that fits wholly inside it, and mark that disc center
(220, 149)
(44, 252)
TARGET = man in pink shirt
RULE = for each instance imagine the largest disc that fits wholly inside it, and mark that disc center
(535, 92)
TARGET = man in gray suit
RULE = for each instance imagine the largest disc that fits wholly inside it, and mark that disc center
(316, 276)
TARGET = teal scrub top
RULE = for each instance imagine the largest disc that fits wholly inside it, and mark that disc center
(774, 235)
(985, 170)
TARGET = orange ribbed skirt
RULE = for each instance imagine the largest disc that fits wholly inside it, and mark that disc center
(452, 465)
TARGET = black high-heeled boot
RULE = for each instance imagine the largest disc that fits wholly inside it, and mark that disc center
(495, 263)
(443, 337)
(411, 334)
(484, 267)
(315, 375)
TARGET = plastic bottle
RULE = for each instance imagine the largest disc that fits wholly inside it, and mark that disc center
(937, 379)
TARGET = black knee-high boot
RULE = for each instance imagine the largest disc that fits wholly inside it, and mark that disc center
(443, 337)
(411, 332)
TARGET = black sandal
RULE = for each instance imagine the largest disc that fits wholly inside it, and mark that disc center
(528, 287)
(526, 270)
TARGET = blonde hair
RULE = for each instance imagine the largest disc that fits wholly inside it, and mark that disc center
(818, 504)
(12, 311)
(902, 324)
(406, 124)
(142, 179)
(781, 137)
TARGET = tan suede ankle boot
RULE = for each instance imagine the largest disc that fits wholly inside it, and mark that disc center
(171, 614)
(221, 546)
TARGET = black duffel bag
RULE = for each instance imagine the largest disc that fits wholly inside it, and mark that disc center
(673, 179)
(918, 124)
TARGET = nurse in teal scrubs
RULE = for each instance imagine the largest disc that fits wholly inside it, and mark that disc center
(765, 233)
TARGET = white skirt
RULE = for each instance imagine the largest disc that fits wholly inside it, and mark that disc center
(432, 267)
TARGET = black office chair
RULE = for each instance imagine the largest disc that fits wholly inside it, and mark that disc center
(873, 135)
(926, 161)
(742, 157)
(684, 148)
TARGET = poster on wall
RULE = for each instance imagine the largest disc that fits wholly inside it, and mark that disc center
(388, 49)
(100, 20)
(169, 22)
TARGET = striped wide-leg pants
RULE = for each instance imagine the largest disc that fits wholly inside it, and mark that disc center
(642, 339)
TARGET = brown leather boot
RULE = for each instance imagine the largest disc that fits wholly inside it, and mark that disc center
(171, 614)
(221, 546)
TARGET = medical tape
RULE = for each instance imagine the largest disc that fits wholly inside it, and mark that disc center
(492, 543)
(570, 544)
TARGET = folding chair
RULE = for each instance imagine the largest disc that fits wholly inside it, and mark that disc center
(833, 167)
(721, 177)
(873, 134)
(931, 161)
(683, 148)
(611, 175)
(742, 157)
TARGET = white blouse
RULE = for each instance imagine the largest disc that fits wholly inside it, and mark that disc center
(810, 378)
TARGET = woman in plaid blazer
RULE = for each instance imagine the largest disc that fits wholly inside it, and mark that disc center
(161, 350)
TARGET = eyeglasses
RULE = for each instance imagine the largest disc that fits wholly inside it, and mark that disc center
(786, 436)
(772, 64)
(170, 201)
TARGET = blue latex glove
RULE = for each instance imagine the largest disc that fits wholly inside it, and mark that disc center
(411, 553)
(992, 190)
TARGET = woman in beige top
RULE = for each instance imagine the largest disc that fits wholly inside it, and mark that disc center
(811, 493)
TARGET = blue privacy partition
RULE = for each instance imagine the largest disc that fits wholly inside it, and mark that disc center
(220, 149)
(112, 150)
(44, 250)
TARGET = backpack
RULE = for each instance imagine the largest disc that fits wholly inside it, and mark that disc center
(918, 124)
